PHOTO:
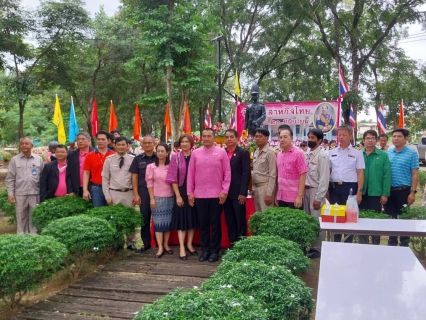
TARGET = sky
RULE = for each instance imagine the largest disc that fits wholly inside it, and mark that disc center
(414, 47)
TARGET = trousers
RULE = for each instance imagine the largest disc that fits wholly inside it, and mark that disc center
(308, 206)
(209, 212)
(24, 207)
(235, 215)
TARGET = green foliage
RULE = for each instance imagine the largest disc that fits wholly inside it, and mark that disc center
(418, 244)
(8, 209)
(6, 156)
(224, 303)
(271, 250)
(290, 224)
(370, 214)
(422, 179)
(84, 236)
(25, 261)
(284, 295)
(56, 208)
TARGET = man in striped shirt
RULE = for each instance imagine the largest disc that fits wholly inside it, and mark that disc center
(404, 178)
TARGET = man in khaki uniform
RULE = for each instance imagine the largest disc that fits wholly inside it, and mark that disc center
(264, 173)
(23, 184)
(117, 180)
(316, 184)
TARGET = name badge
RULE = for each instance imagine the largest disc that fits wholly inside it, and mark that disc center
(34, 171)
(334, 155)
(351, 155)
(214, 154)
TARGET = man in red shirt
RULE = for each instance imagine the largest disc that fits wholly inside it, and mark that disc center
(93, 165)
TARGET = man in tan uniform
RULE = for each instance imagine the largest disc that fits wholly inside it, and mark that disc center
(117, 180)
(316, 184)
(264, 173)
(23, 184)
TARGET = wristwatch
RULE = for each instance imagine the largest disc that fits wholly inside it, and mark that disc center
(360, 190)
(414, 191)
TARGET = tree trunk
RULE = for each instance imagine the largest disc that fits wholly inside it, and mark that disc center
(170, 98)
(201, 118)
(21, 118)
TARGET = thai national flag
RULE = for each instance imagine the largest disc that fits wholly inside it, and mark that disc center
(381, 122)
(232, 124)
(352, 117)
(207, 119)
(343, 86)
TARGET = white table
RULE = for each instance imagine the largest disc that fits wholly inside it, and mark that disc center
(384, 227)
(365, 282)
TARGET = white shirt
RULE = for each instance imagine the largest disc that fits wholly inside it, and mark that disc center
(345, 163)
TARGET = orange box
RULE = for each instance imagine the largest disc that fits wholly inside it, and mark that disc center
(329, 211)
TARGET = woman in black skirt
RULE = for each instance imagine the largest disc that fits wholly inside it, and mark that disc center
(184, 217)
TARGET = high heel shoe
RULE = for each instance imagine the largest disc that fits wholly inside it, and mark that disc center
(192, 253)
(184, 258)
(159, 255)
(170, 251)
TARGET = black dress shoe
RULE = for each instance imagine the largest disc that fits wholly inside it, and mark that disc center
(314, 254)
(192, 253)
(145, 248)
(184, 258)
(204, 256)
(214, 257)
(131, 247)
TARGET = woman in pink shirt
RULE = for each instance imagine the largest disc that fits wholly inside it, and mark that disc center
(161, 197)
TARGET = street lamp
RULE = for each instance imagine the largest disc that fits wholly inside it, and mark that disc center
(219, 79)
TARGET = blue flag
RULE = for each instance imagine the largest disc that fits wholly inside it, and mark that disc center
(73, 130)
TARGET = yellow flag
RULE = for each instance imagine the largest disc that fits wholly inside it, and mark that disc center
(237, 86)
(57, 121)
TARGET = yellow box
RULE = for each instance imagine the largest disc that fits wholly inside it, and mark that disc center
(329, 211)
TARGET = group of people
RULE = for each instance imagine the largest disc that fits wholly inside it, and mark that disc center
(187, 189)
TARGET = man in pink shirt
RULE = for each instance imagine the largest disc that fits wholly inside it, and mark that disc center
(292, 170)
(76, 160)
(209, 176)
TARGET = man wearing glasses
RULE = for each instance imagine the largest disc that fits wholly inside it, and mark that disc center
(140, 190)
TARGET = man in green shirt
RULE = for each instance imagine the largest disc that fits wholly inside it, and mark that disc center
(377, 178)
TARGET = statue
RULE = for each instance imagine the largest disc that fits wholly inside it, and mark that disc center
(255, 112)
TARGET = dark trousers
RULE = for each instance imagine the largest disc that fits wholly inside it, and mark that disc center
(339, 194)
(80, 192)
(393, 208)
(209, 212)
(145, 209)
(370, 203)
(235, 214)
(285, 204)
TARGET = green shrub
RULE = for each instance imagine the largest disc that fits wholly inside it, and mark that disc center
(371, 214)
(8, 209)
(290, 224)
(422, 179)
(284, 295)
(6, 156)
(56, 208)
(84, 237)
(224, 304)
(25, 261)
(271, 250)
(418, 244)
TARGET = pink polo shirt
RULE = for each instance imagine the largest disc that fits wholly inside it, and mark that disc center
(209, 173)
(61, 190)
(291, 165)
(81, 157)
(156, 178)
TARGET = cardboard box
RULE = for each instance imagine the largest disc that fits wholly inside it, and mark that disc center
(329, 211)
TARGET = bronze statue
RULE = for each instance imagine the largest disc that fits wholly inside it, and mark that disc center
(255, 112)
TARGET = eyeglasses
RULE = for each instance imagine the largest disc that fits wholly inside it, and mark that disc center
(148, 143)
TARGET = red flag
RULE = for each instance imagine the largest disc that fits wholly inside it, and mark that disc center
(137, 125)
(187, 120)
(167, 122)
(113, 123)
(401, 123)
(95, 119)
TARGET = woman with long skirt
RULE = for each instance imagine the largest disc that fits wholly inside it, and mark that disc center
(161, 198)
(184, 217)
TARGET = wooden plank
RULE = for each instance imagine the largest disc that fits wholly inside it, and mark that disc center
(111, 295)
(46, 315)
(97, 311)
(181, 272)
(97, 302)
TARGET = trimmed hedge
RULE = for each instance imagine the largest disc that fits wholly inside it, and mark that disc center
(56, 208)
(271, 250)
(290, 224)
(8, 209)
(224, 304)
(25, 262)
(284, 295)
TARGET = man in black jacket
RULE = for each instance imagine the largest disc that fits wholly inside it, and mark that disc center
(235, 208)
(56, 177)
(76, 160)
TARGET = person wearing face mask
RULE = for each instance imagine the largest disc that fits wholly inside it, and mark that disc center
(316, 184)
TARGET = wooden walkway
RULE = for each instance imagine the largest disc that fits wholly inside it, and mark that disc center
(119, 290)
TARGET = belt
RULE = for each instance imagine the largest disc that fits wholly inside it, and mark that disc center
(121, 190)
(340, 183)
(308, 187)
(400, 188)
(96, 184)
(257, 185)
